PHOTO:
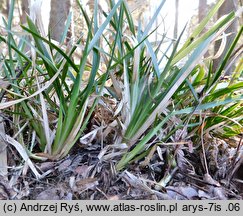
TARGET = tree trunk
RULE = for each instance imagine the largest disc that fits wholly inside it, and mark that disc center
(202, 13)
(227, 7)
(176, 19)
(202, 10)
(24, 11)
(58, 17)
(4, 7)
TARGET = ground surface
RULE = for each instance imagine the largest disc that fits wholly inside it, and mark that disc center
(89, 173)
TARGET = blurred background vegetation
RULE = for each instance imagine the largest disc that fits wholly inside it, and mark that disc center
(152, 83)
(174, 15)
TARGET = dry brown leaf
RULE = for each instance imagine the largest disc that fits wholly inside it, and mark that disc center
(64, 165)
(87, 183)
(210, 180)
(45, 166)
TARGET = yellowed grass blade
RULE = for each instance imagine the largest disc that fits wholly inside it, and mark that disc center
(3, 151)
(23, 154)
